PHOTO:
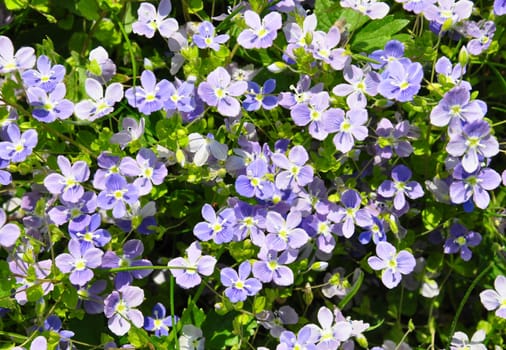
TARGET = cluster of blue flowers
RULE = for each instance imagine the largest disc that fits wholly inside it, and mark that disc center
(281, 206)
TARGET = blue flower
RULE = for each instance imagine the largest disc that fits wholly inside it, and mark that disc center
(159, 323)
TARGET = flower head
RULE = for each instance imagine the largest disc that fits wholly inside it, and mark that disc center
(119, 308)
(151, 20)
(260, 33)
(495, 299)
(392, 264)
(460, 240)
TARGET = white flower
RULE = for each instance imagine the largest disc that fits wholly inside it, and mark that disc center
(496, 299)
(192, 338)
(460, 341)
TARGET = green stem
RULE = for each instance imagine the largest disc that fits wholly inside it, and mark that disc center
(13, 335)
(130, 51)
(135, 268)
(465, 298)
(172, 310)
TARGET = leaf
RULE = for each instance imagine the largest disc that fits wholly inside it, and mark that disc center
(195, 6)
(353, 291)
(34, 292)
(14, 5)
(88, 9)
(107, 34)
(376, 34)
(330, 12)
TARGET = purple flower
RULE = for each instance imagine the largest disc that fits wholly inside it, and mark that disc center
(102, 68)
(393, 51)
(187, 270)
(132, 249)
(159, 323)
(350, 214)
(392, 264)
(218, 91)
(116, 195)
(271, 267)
(304, 340)
(301, 93)
(24, 274)
(46, 76)
(254, 183)
(451, 74)
(359, 85)
(373, 9)
(258, 97)
(151, 19)
(275, 320)
(297, 36)
(206, 38)
(375, 230)
(473, 142)
(499, 7)
(108, 165)
(260, 33)
(315, 114)
(239, 286)
(146, 167)
(400, 187)
(151, 96)
(482, 34)
(284, 234)
(99, 105)
(322, 48)
(401, 80)
(218, 227)
(139, 218)
(48, 108)
(119, 308)
(449, 12)
(349, 128)
(416, 6)
(74, 212)
(392, 139)
(9, 233)
(53, 324)
(332, 331)
(9, 62)
(80, 262)
(455, 109)
(495, 299)
(475, 185)
(17, 146)
(460, 240)
(93, 303)
(181, 97)
(132, 131)
(68, 185)
(295, 172)
(86, 230)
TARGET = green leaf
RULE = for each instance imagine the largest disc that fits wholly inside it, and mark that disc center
(431, 217)
(14, 5)
(34, 292)
(353, 290)
(195, 6)
(330, 13)
(376, 34)
(88, 9)
(107, 34)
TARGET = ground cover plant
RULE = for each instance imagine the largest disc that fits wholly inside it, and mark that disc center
(288, 174)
